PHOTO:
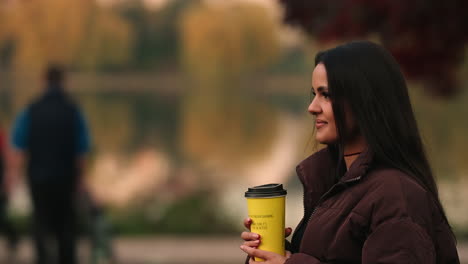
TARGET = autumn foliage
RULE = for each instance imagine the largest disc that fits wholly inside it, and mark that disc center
(428, 38)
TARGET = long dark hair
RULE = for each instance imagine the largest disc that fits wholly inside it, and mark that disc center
(366, 79)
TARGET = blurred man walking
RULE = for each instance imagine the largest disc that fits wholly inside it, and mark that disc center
(51, 137)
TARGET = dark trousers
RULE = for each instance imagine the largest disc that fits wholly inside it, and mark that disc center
(54, 225)
(6, 226)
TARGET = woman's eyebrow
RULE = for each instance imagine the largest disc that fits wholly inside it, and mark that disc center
(322, 89)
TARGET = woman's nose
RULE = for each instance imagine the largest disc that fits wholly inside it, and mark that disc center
(314, 107)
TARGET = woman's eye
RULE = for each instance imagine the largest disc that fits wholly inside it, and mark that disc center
(326, 95)
(312, 95)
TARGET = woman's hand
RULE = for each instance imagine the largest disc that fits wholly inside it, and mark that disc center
(253, 240)
(268, 257)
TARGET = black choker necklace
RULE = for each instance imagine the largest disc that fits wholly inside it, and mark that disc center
(352, 154)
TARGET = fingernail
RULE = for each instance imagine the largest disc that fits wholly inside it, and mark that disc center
(256, 236)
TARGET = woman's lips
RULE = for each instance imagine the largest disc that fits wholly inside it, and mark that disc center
(320, 123)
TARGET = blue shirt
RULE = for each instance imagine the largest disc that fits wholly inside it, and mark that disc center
(21, 127)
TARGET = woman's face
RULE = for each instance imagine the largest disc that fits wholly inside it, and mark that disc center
(321, 107)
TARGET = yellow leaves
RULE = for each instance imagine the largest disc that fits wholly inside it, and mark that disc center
(227, 40)
(4, 25)
(58, 31)
(47, 30)
(108, 41)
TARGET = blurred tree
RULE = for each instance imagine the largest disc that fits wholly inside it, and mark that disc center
(428, 38)
(107, 44)
(155, 32)
(226, 40)
(47, 30)
(62, 31)
(221, 42)
(443, 132)
(6, 44)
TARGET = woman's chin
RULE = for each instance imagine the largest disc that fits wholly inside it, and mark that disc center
(325, 141)
(320, 141)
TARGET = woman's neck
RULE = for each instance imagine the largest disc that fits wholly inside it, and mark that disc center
(353, 149)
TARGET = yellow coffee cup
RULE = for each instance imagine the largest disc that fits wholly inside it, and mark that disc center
(266, 208)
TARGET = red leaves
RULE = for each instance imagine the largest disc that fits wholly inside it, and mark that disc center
(426, 37)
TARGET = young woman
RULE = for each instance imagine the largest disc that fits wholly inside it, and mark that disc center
(369, 196)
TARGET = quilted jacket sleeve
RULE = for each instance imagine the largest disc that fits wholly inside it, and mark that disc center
(398, 241)
(394, 241)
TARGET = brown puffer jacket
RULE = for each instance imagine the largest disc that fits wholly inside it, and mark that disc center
(372, 215)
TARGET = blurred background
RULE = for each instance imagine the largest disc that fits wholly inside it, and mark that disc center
(189, 102)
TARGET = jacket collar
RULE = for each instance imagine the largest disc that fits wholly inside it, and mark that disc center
(316, 171)
(359, 166)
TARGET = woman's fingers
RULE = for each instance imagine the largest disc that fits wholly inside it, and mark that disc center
(255, 252)
(253, 243)
(252, 240)
(248, 222)
(248, 236)
(269, 257)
